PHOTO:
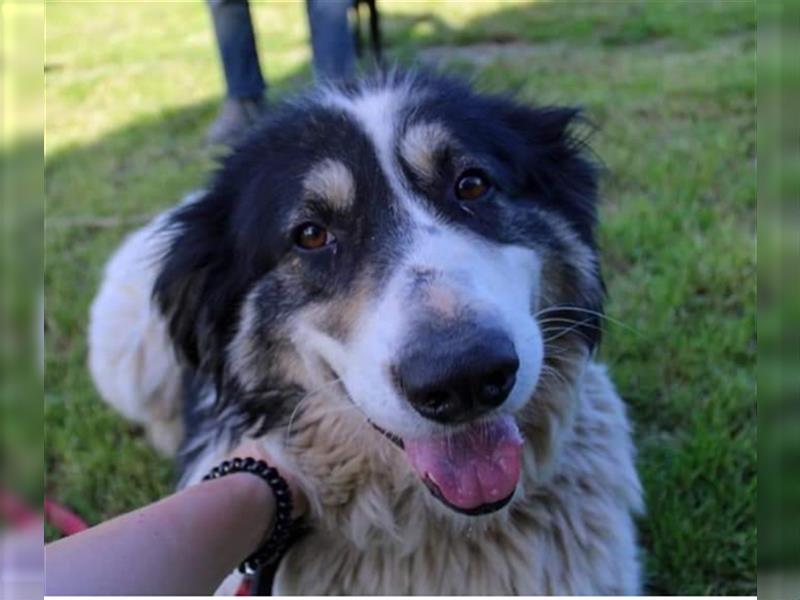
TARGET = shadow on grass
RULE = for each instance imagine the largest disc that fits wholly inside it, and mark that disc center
(138, 169)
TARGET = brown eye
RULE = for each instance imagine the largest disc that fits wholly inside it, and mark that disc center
(472, 185)
(310, 236)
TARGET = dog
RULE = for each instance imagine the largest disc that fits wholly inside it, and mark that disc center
(394, 285)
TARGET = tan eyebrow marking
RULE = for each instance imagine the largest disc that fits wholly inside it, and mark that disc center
(420, 145)
(332, 181)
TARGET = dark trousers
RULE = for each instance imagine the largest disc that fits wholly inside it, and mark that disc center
(331, 41)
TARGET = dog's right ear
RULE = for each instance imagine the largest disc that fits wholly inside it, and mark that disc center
(197, 287)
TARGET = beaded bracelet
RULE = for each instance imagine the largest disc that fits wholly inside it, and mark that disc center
(273, 547)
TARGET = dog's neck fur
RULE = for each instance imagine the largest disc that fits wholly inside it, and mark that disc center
(375, 527)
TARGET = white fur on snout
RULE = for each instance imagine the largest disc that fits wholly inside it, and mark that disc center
(496, 283)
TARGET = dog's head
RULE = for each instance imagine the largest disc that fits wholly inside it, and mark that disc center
(422, 250)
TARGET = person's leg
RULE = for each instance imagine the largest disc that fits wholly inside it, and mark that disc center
(236, 43)
(245, 85)
(331, 38)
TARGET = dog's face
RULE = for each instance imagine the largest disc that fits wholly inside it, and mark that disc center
(421, 248)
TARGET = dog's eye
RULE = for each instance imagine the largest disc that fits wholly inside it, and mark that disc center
(472, 185)
(311, 236)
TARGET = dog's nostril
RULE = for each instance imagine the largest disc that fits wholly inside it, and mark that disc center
(495, 385)
(491, 390)
(436, 402)
(496, 379)
(436, 398)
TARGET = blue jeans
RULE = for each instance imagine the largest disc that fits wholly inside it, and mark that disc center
(331, 42)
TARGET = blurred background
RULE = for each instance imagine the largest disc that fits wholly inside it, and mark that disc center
(21, 260)
(779, 300)
(132, 88)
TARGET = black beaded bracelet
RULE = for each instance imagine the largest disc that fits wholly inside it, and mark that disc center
(273, 548)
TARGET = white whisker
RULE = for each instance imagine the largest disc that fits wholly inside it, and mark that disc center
(588, 311)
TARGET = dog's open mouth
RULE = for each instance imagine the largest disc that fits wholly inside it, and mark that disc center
(474, 470)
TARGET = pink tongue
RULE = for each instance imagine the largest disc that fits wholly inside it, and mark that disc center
(474, 466)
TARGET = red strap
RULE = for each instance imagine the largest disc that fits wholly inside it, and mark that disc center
(63, 519)
(244, 588)
(14, 510)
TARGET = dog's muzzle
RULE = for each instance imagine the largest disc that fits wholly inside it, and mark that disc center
(459, 376)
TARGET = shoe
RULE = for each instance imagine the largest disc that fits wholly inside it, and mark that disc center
(236, 116)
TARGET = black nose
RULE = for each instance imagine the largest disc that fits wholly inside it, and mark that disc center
(459, 375)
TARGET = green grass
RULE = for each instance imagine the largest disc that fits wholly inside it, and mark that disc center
(132, 87)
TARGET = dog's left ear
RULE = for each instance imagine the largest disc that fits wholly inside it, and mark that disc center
(198, 284)
(560, 171)
(556, 161)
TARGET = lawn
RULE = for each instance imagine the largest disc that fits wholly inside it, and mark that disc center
(131, 88)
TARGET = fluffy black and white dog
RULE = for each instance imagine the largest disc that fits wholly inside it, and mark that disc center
(394, 286)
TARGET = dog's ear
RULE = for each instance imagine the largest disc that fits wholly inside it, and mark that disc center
(559, 170)
(197, 287)
(556, 162)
